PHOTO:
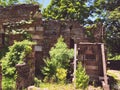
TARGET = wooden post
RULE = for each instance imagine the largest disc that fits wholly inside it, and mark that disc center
(105, 83)
(75, 59)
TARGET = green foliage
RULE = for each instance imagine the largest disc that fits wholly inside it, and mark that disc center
(112, 28)
(108, 11)
(16, 54)
(82, 79)
(37, 82)
(67, 9)
(60, 57)
(8, 2)
(8, 84)
(113, 57)
(61, 74)
(50, 68)
(114, 79)
(60, 54)
(115, 14)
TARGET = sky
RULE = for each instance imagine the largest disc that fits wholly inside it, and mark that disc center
(44, 2)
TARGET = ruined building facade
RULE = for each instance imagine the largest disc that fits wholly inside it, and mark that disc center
(45, 34)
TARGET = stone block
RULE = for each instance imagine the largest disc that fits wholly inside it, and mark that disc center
(39, 28)
(31, 29)
(38, 48)
(37, 37)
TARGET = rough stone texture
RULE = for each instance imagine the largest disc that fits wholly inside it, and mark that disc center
(70, 30)
(10, 18)
(25, 73)
(16, 13)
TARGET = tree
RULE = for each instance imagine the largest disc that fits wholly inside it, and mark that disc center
(108, 12)
(113, 31)
(67, 9)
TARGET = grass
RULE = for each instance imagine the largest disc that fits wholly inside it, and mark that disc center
(55, 86)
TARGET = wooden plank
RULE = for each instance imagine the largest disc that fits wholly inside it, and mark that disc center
(91, 62)
(37, 37)
(92, 67)
(89, 43)
(92, 72)
(104, 64)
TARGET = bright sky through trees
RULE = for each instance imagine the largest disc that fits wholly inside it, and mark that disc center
(44, 2)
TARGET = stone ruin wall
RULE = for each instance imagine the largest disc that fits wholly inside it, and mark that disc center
(44, 33)
(11, 15)
(26, 72)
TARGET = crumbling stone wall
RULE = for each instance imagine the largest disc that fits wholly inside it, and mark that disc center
(70, 30)
(44, 33)
(25, 72)
(15, 13)
(10, 18)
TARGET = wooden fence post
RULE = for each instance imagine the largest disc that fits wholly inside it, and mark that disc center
(75, 59)
(105, 83)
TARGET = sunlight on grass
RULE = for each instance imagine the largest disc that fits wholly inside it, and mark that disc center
(51, 86)
(55, 86)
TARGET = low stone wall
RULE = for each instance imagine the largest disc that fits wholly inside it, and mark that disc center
(25, 73)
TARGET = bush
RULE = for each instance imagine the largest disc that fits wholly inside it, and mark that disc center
(61, 75)
(114, 79)
(37, 82)
(60, 57)
(8, 84)
(82, 79)
(17, 52)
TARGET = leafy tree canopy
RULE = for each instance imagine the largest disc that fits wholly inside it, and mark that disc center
(67, 9)
(90, 12)
(108, 13)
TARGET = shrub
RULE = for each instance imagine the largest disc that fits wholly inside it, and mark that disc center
(8, 84)
(37, 82)
(16, 54)
(82, 79)
(61, 74)
(114, 79)
(60, 57)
